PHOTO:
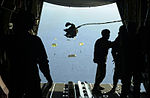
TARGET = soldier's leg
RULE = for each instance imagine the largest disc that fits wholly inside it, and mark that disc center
(115, 80)
(136, 83)
(100, 74)
(126, 83)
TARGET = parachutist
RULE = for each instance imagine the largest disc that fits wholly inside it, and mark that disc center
(71, 32)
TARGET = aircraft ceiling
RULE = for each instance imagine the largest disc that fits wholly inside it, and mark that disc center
(80, 3)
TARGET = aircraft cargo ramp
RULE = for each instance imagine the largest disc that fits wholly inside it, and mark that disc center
(80, 90)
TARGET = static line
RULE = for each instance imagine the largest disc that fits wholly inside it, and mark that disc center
(98, 23)
(52, 90)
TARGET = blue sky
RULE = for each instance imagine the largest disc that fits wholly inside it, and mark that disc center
(80, 67)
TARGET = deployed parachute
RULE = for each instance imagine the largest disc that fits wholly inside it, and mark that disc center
(71, 32)
(54, 44)
(81, 44)
(72, 55)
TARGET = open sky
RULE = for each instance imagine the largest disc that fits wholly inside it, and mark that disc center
(59, 48)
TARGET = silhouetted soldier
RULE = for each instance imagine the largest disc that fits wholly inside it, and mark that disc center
(142, 58)
(126, 67)
(116, 53)
(139, 65)
(133, 60)
(100, 56)
(24, 52)
(145, 39)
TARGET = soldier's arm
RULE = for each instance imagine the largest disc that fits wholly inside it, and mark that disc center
(43, 62)
(113, 51)
(95, 59)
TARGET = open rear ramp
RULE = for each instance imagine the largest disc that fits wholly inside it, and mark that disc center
(79, 90)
